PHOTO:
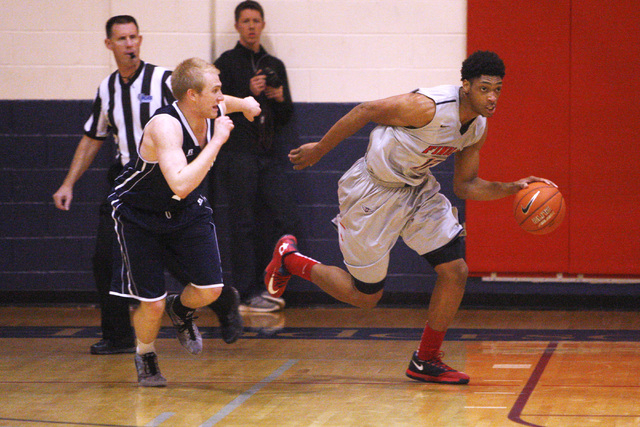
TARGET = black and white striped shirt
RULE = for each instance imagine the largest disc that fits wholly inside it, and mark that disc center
(125, 108)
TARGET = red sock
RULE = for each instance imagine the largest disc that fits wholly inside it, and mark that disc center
(430, 343)
(299, 264)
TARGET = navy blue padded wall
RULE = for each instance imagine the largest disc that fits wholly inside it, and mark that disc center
(42, 248)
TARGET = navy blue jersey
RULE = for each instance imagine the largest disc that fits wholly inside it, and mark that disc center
(142, 186)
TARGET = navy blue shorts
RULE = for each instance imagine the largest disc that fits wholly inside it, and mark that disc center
(189, 252)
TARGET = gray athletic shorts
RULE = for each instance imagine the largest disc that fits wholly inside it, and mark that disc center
(373, 216)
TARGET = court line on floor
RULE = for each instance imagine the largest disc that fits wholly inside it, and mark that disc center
(485, 407)
(516, 410)
(586, 415)
(160, 419)
(238, 401)
(494, 392)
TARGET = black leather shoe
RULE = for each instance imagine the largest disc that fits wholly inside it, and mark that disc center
(109, 347)
(231, 325)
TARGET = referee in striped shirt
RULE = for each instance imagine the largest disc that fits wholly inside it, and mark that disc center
(125, 101)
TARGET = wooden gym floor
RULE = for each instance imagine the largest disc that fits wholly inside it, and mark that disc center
(327, 367)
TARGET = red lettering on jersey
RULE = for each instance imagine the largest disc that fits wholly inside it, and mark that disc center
(429, 148)
(439, 150)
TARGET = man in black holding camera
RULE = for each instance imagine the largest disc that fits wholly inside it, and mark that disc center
(250, 167)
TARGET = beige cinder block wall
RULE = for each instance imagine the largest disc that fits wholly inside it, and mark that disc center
(335, 50)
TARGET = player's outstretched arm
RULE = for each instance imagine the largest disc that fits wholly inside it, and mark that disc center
(411, 109)
(247, 106)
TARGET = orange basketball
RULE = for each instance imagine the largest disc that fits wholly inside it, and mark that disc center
(539, 208)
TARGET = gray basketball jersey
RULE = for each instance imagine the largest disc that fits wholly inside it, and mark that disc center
(405, 155)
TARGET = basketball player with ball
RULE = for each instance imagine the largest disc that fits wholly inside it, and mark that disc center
(391, 193)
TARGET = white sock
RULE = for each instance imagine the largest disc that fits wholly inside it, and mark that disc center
(143, 348)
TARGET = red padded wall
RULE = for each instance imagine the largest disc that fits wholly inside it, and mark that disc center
(605, 137)
(570, 112)
(528, 135)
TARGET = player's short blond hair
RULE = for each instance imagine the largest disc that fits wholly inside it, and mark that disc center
(189, 74)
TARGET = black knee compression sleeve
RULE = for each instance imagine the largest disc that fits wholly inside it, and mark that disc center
(449, 252)
(368, 288)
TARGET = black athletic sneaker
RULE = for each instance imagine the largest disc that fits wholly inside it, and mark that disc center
(112, 347)
(434, 371)
(148, 370)
(231, 324)
(187, 331)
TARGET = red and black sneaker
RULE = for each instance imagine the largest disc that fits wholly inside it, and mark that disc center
(276, 275)
(434, 371)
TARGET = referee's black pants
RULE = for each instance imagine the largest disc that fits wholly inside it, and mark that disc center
(261, 209)
(115, 318)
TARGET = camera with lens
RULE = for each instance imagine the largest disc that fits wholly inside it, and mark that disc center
(273, 80)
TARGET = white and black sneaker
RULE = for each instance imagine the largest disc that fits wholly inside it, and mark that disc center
(276, 300)
(187, 331)
(259, 304)
(148, 370)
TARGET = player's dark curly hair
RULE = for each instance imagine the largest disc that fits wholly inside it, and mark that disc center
(482, 62)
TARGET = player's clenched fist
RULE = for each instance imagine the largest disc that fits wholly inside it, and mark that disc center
(222, 129)
(251, 108)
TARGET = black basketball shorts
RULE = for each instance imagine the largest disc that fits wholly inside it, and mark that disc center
(189, 253)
